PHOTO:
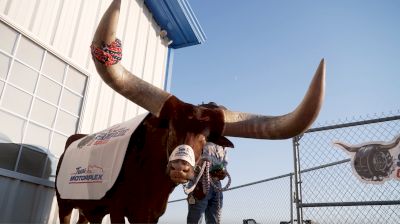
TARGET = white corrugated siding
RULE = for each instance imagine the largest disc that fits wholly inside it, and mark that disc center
(67, 26)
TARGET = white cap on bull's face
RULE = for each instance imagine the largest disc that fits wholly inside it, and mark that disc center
(183, 152)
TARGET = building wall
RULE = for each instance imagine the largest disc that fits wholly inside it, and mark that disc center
(66, 27)
(49, 88)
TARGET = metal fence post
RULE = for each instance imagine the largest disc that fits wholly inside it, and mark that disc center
(291, 198)
(297, 179)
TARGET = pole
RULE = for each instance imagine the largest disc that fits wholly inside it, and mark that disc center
(297, 182)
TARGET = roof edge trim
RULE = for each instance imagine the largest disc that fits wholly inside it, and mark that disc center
(178, 19)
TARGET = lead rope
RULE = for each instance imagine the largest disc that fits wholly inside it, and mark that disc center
(189, 190)
(207, 181)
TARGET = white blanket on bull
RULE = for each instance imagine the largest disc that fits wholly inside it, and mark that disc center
(92, 164)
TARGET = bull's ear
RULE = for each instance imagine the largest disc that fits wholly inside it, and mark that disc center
(222, 141)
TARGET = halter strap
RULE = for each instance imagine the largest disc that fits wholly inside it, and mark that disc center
(191, 189)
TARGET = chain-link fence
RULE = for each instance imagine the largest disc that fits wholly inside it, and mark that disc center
(323, 188)
(328, 188)
(267, 201)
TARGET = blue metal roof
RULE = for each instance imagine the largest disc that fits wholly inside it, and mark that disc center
(178, 19)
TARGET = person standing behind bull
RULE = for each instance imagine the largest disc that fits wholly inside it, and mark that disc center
(207, 197)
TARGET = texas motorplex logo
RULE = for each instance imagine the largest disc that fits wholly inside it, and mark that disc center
(103, 137)
(91, 174)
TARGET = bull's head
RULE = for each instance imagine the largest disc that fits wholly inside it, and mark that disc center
(193, 125)
(371, 161)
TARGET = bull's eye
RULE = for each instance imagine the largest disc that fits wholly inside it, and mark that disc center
(206, 118)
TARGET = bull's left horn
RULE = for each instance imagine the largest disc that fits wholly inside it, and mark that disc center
(238, 124)
(116, 76)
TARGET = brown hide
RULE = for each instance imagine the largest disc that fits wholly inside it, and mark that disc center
(142, 189)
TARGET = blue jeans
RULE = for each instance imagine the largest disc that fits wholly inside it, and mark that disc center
(209, 206)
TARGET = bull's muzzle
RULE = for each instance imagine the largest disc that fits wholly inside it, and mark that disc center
(180, 171)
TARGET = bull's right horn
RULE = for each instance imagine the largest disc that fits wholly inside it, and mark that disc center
(238, 124)
(116, 76)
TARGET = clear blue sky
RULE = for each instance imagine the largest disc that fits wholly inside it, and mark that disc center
(260, 56)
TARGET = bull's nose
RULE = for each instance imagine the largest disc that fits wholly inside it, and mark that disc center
(180, 165)
(181, 172)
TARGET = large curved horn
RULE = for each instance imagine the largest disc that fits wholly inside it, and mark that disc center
(116, 76)
(238, 124)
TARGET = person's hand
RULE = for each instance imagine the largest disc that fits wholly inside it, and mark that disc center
(220, 174)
